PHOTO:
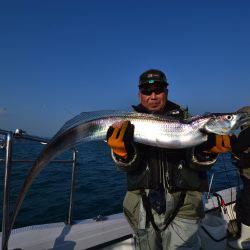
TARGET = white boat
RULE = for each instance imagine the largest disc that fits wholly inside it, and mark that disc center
(111, 232)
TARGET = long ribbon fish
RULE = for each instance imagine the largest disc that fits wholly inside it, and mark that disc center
(150, 129)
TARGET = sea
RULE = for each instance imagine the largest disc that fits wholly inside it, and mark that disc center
(99, 189)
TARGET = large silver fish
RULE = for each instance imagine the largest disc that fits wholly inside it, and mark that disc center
(152, 130)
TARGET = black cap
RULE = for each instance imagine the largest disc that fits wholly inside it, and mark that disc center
(152, 76)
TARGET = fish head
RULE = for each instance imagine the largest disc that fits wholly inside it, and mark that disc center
(223, 124)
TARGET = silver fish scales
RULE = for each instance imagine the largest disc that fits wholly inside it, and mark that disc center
(155, 130)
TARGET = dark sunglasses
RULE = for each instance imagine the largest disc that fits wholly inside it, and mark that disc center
(149, 91)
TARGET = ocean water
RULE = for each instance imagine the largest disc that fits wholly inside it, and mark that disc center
(100, 187)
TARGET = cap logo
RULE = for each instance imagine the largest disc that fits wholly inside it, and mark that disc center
(151, 81)
(152, 75)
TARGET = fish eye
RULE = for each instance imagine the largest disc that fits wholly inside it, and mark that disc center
(229, 117)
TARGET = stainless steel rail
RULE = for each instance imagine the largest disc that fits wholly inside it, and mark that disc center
(19, 134)
(72, 189)
(31, 161)
(6, 188)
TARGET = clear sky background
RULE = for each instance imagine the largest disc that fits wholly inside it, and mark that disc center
(59, 58)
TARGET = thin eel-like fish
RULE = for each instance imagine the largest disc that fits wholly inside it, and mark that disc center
(155, 130)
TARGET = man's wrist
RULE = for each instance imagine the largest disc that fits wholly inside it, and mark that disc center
(202, 155)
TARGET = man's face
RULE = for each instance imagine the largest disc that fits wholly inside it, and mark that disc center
(153, 98)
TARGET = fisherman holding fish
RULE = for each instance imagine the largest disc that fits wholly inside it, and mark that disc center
(163, 203)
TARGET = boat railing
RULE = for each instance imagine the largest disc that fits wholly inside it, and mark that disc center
(7, 139)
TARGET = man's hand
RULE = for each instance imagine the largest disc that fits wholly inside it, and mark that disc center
(218, 144)
(120, 138)
(227, 143)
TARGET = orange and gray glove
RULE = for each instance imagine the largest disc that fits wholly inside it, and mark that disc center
(218, 144)
(120, 139)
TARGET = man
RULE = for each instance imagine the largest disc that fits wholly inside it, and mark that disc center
(163, 203)
(241, 158)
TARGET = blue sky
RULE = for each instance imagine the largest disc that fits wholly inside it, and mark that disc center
(59, 58)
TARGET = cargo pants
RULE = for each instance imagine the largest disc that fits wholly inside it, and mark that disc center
(182, 233)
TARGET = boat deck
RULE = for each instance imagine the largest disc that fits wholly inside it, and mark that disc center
(113, 232)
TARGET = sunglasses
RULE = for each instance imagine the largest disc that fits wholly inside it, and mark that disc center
(149, 91)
